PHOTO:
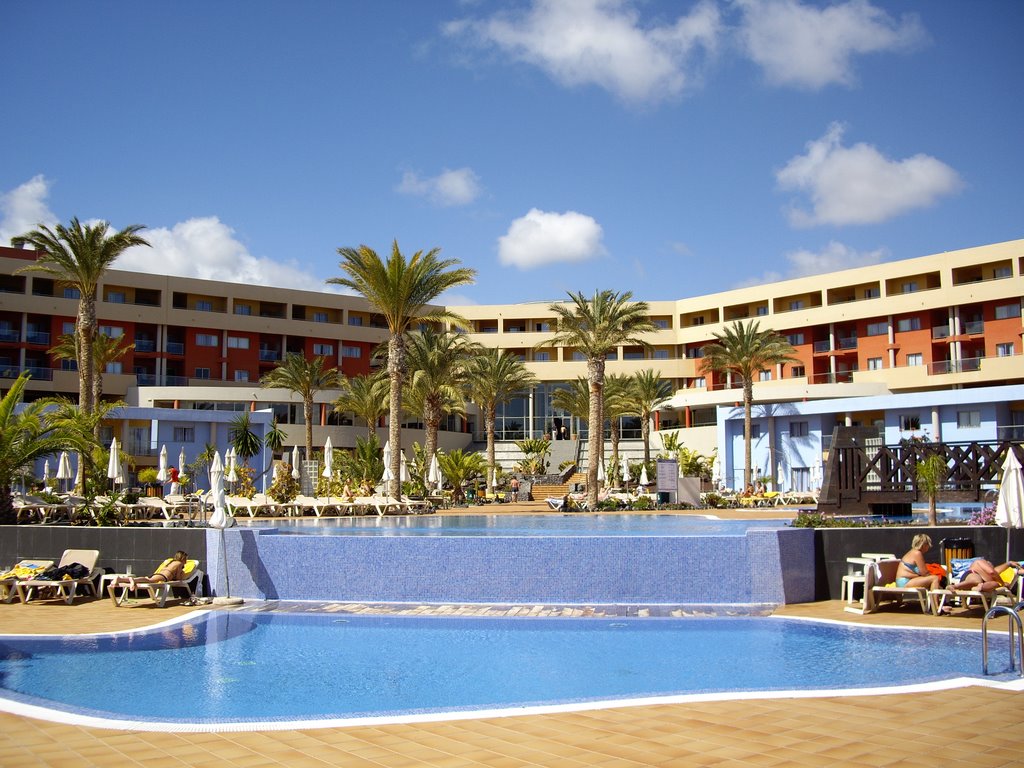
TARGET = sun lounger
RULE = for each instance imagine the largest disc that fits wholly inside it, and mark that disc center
(23, 571)
(556, 503)
(159, 591)
(241, 504)
(67, 588)
(880, 587)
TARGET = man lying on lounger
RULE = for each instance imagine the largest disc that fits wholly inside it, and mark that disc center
(173, 571)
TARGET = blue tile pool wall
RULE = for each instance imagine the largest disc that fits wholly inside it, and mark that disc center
(765, 566)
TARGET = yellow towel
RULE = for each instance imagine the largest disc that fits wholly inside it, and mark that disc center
(190, 565)
(1007, 575)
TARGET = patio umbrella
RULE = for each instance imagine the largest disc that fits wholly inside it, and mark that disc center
(181, 459)
(388, 475)
(328, 459)
(816, 475)
(643, 476)
(46, 471)
(625, 472)
(231, 476)
(403, 471)
(780, 478)
(600, 473)
(64, 468)
(295, 462)
(434, 473)
(114, 464)
(162, 472)
(1010, 502)
(79, 471)
(221, 517)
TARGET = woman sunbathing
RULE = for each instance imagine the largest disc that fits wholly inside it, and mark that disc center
(985, 577)
(912, 570)
(173, 571)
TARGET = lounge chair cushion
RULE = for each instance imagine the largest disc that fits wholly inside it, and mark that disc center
(190, 566)
(960, 567)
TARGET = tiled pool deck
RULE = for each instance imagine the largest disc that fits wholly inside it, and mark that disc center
(975, 726)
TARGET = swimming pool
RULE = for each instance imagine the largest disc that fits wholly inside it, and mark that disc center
(516, 525)
(228, 671)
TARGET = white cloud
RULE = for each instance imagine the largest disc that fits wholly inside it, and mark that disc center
(206, 248)
(24, 208)
(833, 257)
(450, 187)
(603, 43)
(859, 185)
(812, 47)
(541, 238)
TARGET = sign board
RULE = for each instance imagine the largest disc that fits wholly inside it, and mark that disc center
(668, 471)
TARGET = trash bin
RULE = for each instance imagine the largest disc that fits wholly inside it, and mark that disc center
(662, 497)
(955, 549)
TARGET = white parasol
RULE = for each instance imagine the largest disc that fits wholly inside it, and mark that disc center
(643, 476)
(625, 471)
(221, 517)
(231, 476)
(816, 474)
(434, 473)
(403, 471)
(161, 474)
(780, 479)
(114, 464)
(64, 468)
(79, 471)
(46, 471)
(181, 460)
(388, 475)
(328, 459)
(295, 462)
(1010, 502)
(600, 472)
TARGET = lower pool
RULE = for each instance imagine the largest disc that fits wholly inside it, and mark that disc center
(263, 669)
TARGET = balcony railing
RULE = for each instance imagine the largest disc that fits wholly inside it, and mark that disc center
(940, 332)
(175, 348)
(136, 448)
(966, 365)
(822, 346)
(1014, 432)
(37, 337)
(145, 345)
(38, 374)
(10, 335)
(848, 343)
(270, 355)
(974, 327)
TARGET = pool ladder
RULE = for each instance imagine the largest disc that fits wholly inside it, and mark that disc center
(1001, 610)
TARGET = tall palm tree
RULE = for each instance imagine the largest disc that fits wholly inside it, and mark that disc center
(26, 434)
(305, 378)
(401, 290)
(495, 378)
(105, 350)
(70, 418)
(439, 365)
(366, 396)
(648, 391)
(79, 255)
(594, 327)
(745, 351)
(460, 467)
(618, 402)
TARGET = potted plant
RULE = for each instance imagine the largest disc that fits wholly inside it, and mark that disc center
(147, 479)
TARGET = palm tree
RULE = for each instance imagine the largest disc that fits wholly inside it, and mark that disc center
(746, 350)
(401, 290)
(70, 418)
(648, 391)
(459, 467)
(439, 363)
(618, 402)
(275, 437)
(594, 327)
(366, 396)
(245, 442)
(105, 350)
(305, 378)
(79, 255)
(495, 378)
(26, 435)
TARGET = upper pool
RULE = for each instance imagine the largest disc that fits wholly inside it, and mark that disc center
(574, 524)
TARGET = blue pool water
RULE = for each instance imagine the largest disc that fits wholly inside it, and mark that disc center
(516, 525)
(264, 667)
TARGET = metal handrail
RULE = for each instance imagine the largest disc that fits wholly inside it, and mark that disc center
(999, 610)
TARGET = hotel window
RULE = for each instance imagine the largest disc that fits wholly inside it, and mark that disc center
(68, 329)
(762, 311)
(905, 324)
(206, 340)
(871, 293)
(700, 381)
(910, 423)
(541, 357)
(694, 353)
(116, 297)
(202, 305)
(238, 342)
(697, 321)
(796, 304)
(914, 359)
(795, 339)
(319, 317)
(69, 365)
(184, 435)
(353, 320)
(627, 356)
(661, 323)
(1005, 349)
(243, 309)
(241, 375)
(968, 419)
(325, 350)
(578, 357)
(909, 287)
(1000, 272)
(755, 431)
(351, 351)
(661, 354)
(113, 367)
(1006, 311)
(72, 293)
(764, 375)
(542, 327)
(797, 371)
(874, 363)
(877, 329)
(202, 373)
(111, 331)
(798, 429)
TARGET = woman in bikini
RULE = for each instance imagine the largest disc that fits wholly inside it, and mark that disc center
(985, 577)
(173, 571)
(912, 570)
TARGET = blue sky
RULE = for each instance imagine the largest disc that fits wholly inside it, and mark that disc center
(666, 148)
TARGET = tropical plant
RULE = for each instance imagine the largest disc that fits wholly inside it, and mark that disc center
(305, 378)
(574, 398)
(78, 255)
(105, 350)
(366, 396)
(26, 435)
(459, 468)
(594, 327)
(439, 365)
(401, 290)
(364, 463)
(745, 350)
(535, 453)
(242, 437)
(70, 417)
(275, 437)
(200, 466)
(495, 378)
(148, 476)
(284, 488)
(929, 475)
(648, 391)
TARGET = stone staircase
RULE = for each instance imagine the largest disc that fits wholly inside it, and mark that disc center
(539, 492)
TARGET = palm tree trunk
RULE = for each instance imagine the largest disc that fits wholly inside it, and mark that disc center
(595, 440)
(432, 422)
(307, 414)
(491, 418)
(645, 433)
(614, 468)
(396, 375)
(748, 402)
(86, 334)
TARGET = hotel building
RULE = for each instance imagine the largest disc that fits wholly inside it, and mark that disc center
(949, 321)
